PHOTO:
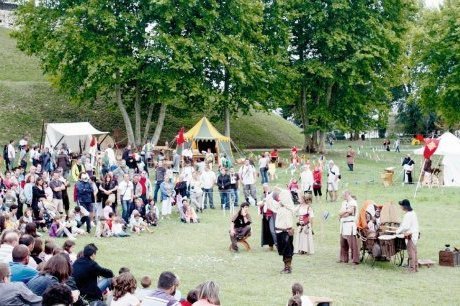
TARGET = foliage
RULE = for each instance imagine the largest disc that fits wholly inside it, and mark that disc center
(345, 54)
(436, 56)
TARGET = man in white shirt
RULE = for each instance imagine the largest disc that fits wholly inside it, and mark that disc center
(248, 175)
(333, 177)
(111, 156)
(409, 227)
(208, 180)
(348, 230)
(126, 197)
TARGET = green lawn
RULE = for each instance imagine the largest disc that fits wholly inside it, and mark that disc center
(199, 252)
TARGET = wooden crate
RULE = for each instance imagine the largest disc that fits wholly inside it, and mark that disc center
(448, 258)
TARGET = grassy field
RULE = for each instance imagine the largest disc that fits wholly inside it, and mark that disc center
(26, 99)
(199, 252)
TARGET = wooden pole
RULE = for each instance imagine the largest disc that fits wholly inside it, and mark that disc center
(420, 176)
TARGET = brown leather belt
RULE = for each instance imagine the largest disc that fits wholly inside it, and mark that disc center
(283, 229)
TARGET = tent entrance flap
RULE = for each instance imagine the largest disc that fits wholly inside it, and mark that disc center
(204, 145)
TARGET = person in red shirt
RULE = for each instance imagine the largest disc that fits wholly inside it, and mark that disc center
(274, 156)
(317, 182)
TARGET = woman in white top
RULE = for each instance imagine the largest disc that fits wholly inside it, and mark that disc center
(263, 167)
(303, 237)
(124, 286)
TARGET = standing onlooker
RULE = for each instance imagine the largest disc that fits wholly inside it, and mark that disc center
(234, 184)
(333, 177)
(223, 183)
(167, 196)
(126, 197)
(397, 144)
(58, 187)
(76, 169)
(196, 191)
(348, 230)
(85, 194)
(208, 179)
(176, 162)
(63, 161)
(248, 178)
(263, 167)
(409, 227)
(408, 166)
(350, 158)
(9, 155)
(160, 173)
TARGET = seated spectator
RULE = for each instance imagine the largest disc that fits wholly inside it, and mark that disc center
(58, 229)
(29, 242)
(192, 297)
(295, 301)
(166, 288)
(86, 272)
(82, 217)
(297, 290)
(102, 228)
(108, 208)
(9, 240)
(68, 248)
(58, 294)
(15, 293)
(117, 228)
(208, 294)
(146, 282)
(20, 271)
(73, 225)
(123, 270)
(37, 251)
(151, 213)
(124, 286)
(50, 247)
(137, 224)
(56, 270)
(189, 212)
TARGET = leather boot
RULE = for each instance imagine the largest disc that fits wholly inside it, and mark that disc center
(289, 265)
(286, 269)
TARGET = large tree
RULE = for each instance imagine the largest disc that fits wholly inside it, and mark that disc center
(436, 56)
(344, 53)
(134, 54)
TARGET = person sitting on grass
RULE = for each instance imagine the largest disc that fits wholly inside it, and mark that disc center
(102, 228)
(208, 294)
(20, 271)
(58, 294)
(240, 225)
(58, 229)
(68, 247)
(297, 290)
(72, 225)
(15, 293)
(189, 212)
(124, 286)
(108, 208)
(145, 289)
(166, 288)
(137, 224)
(192, 297)
(117, 228)
(151, 213)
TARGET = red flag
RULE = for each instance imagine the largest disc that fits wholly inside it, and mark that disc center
(431, 145)
(419, 137)
(180, 139)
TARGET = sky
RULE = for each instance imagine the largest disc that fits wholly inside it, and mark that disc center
(432, 3)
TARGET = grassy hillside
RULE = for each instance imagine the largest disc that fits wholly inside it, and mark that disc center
(27, 99)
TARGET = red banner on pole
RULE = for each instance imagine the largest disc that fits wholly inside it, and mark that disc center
(180, 139)
(431, 145)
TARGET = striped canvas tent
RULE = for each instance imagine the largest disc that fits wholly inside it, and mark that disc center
(204, 135)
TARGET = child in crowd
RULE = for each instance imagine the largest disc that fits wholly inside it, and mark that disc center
(58, 229)
(102, 228)
(141, 293)
(151, 213)
(50, 246)
(139, 206)
(293, 187)
(108, 208)
(137, 224)
(10, 198)
(189, 212)
(73, 225)
(68, 248)
(117, 228)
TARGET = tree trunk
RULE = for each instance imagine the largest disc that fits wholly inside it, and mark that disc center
(137, 111)
(160, 122)
(321, 142)
(302, 105)
(148, 123)
(124, 114)
(227, 122)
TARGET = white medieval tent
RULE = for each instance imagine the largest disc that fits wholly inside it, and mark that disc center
(449, 150)
(76, 135)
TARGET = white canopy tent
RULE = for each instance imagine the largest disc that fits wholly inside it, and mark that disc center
(449, 148)
(76, 135)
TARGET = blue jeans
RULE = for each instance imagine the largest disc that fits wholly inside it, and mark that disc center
(104, 284)
(125, 210)
(234, 197)
(208, 194)
(155, 192)
(224, 198)
(264, 175)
